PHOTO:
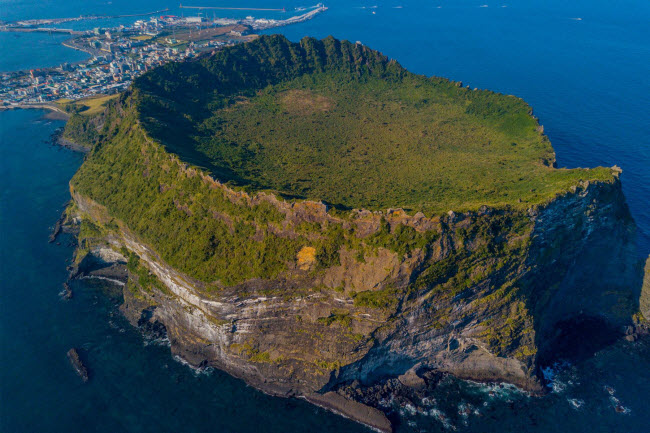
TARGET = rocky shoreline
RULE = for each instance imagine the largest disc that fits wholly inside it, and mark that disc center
(71, 145)
(57, 139)
(375, 405)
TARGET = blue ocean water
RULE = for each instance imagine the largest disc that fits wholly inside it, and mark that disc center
(588, 81)
(42, 49)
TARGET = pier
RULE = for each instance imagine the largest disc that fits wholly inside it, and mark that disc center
(230, 8)
(42, 30)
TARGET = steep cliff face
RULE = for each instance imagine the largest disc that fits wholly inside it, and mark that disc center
(585, 253)
(484, 317)
(564, 276)
(645, 292)
(300, 299)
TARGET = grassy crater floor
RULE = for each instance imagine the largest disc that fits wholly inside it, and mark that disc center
(338, 122)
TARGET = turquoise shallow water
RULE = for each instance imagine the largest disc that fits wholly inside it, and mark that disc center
(588, 82)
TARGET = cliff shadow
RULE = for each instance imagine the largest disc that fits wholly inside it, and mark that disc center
(589, 277)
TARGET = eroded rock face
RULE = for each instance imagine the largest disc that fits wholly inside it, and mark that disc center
(645, 292)
(307, 332)
(585, 250)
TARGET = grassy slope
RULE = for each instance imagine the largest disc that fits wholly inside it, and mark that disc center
(139, 184)
(373, 138)
(200, 231)
(87, 106)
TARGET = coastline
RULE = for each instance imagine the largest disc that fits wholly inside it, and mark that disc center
(44, 106)
(70, 145)
(65, 44)
(53, 113)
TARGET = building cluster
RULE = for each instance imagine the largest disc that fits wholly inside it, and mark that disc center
(113, 67)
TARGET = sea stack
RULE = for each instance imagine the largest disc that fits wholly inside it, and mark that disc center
(79, 367)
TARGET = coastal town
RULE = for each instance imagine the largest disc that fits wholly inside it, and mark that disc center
(120, 54)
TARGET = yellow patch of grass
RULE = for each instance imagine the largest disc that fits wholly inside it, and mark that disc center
(141, 37)
(306, 258)
(305, 102)
(95, 104)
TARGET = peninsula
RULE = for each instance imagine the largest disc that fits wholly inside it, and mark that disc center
(316, 220)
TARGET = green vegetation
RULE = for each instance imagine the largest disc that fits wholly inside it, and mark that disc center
(253, 353)
(384, 299)
(144, 278)
(185, 160)
(338, 122)
(402, 239)
(341, 317)
(88, 229)
(505, 335)
(178, 215)
(80, 130)
(324, 120)
(91, 234)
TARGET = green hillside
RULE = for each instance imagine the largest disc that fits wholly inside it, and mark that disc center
(338, 122)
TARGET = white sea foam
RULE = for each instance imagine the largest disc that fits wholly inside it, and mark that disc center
(576, 403)
(625, 410)
(440, 416)
(550, 373)
(97, 277)
(409, 409)
(384, 403)
(499, 390)
(558, 386)
(198, 371)
(157, 341)
(465, 409)
(618, 407)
